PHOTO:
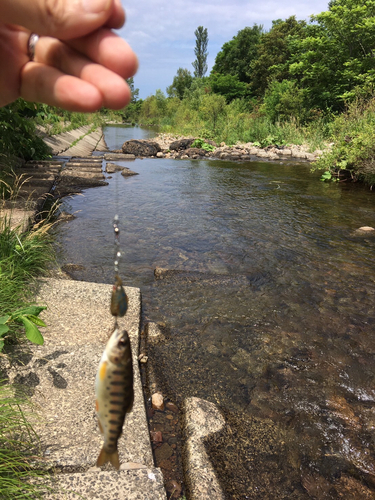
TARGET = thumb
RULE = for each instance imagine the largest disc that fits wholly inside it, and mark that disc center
(64, 19)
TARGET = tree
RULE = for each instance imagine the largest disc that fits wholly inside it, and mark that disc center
(212, 108)
(153, 107)
(272, 61)
(237, 55)
(283, 101)
(228, 85)
(337, 54)
(181, 82)
(200, 51)
(133, 90)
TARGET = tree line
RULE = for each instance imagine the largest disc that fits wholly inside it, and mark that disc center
(297, 68)
(293, 83)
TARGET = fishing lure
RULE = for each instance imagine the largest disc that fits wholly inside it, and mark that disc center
(119, 299)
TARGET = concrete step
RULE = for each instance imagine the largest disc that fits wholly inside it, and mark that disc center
(140, 484)
(83, 166)
(90, 159)
(119, 157)
(39, 183)
(38, 173)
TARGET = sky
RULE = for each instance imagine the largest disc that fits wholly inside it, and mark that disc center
(161, 32)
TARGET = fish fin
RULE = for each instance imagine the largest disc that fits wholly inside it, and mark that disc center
(105, 457)
(114, 459)
(100, 427)
(102, 370)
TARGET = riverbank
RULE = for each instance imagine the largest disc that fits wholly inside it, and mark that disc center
(171, 146)
(176, 146)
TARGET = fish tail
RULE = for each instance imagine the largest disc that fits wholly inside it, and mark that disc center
(105, 457)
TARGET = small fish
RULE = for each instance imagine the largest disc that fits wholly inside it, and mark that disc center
(119, 299)
(114, 393)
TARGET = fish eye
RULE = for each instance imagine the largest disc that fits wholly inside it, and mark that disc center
(121, 342)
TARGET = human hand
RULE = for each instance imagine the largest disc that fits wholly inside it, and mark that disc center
(79, 63)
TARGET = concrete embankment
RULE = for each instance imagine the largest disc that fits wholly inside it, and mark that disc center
(72, 168)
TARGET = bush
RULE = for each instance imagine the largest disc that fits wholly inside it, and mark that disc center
(17, 133)
(284, 101)
(353, 135)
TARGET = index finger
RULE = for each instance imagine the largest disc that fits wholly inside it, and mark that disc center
(106, 48)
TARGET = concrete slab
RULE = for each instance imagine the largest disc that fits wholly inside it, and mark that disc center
(17, 217)
(79, 324)
(118, 157)
(85, 142)
(142, 484)
(201, 418)
(61, 142)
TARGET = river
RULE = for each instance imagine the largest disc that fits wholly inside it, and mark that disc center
(271, 316)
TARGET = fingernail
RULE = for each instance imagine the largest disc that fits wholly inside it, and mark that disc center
(95, 6)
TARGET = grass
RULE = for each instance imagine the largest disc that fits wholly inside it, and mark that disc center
(17, 448)
(24, 255)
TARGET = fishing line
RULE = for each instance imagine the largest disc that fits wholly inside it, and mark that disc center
(119, 299)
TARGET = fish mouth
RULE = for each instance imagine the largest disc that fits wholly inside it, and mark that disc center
(119, 349)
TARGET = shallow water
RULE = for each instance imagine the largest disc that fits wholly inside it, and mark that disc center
(273, 317)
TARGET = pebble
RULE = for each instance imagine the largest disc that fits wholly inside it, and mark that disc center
(163, 452)
(174, 488)
(172, 407)
(157, 401)
(143, 358)
(156, 436)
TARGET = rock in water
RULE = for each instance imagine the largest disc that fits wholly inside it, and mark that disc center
(181, 144)
(141, 147)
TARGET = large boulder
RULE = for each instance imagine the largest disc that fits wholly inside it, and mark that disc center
(181, 144)
(141, 147)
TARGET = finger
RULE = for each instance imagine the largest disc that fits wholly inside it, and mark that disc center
(106, 48)
(115, 91)
(117, 18)
(13, 45)
(41, 83)
(64, 19)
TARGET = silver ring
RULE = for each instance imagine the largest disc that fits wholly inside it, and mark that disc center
(31, 46)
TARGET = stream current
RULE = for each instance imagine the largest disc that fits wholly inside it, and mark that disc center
(271, 315)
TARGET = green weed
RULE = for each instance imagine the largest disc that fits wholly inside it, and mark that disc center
(18, 443)
(353, 140)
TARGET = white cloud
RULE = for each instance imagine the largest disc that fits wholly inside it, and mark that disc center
(162, 32)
